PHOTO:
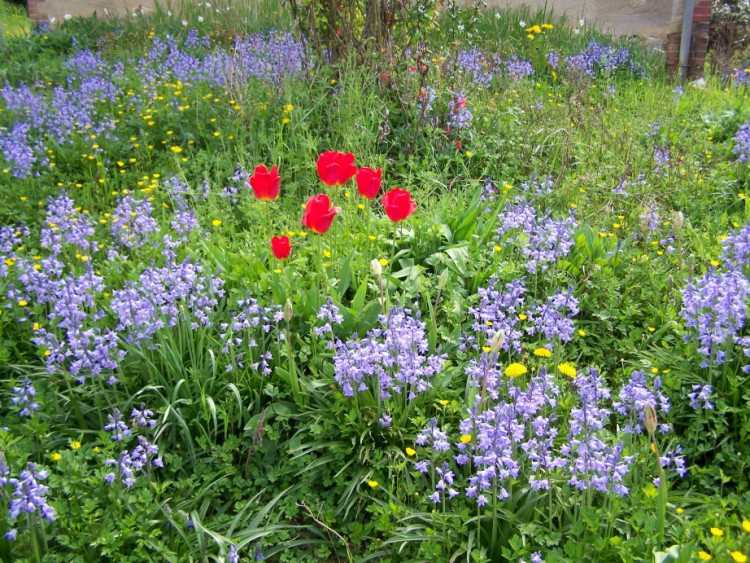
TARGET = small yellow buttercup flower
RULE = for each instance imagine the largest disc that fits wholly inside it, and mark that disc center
(23, 303)
(383, 262)
(372, 484)
(522, 317)
(680, 510)
(542, 352)
(515, 369)
(75, 445)
(717, 532)
(581, 332)
(466, 438)
(739, 557)
(55, 456)
(216, 222)
(746, 526)
(443, 402)
(567, 369)
(703, 556)
(411, 452)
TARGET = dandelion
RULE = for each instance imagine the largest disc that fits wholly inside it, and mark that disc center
(383, 262)
(542, 352)
(567, 369)
(515, 370)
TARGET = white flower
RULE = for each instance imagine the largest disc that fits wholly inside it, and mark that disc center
(53, 19)
(497, 15)
(169, 13)
(208, 5)
(522, 23)
(66, 17)
(200, 19)
(184, 23)
(581, 22)
(577, 31)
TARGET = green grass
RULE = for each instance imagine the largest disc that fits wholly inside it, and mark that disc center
(14, 21)
(262, 447)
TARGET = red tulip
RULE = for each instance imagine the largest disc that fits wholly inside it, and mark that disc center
(336, 168)
(265, 184)
(398, 204)
(281, 247)
(319, 214)
(368, 182)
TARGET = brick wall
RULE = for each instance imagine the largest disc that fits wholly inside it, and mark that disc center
(37, 11)
(698, 42)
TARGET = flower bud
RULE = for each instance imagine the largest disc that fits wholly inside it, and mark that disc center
(288, 311)
(497, 341)
(445, 275)
(376, 267)
(677, 222)
(649, 419)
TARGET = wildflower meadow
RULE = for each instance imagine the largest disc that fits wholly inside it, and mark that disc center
(277, 283)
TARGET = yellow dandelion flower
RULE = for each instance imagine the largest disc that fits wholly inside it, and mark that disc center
(277, 271)
(176, 150)
(680, 510)
(746, 526)
(23, 303)
(326, 253)
(465, 438)
(530, 36)
(216, 222)
(567, 369)
(739, 557)
(75, 445)
(717, 532)
(383, 262)
(515, 369)
(372, 237)
(497, 248)
(469, 154)
(547, 26)
(410, 452)
(55, 456)
(534, 29)
(703, 556)
(581, 332)
(542, 352)
(285, 120)
(372, 484)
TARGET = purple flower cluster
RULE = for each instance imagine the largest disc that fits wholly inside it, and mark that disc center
(499, 310)
(553, 319)
(23, 398)
(700, 398)
(603, 58)
(390, 360)
(459, 113)
(624, 184)
(238, 336)
(515, 436)
(162, 297)
(330, 314)
(635, 396)
(141, 458)
(593, 463)
(132, 222)
(65, 224)
(715, 306)
(742, 143)
(475, 64)
(518, 69)
(28, 496)
(541, 239)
